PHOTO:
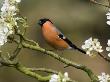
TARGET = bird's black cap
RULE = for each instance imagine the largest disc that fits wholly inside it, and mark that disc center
(42, 21)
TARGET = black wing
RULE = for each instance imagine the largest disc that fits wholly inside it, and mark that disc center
(67, 40)
(70, 43)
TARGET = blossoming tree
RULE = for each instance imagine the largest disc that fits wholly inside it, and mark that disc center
(13, 25)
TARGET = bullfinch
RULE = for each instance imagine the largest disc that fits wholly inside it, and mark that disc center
(54, 37)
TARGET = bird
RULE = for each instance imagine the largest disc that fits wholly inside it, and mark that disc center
(55, 37)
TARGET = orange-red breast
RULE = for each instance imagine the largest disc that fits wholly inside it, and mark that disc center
(54, 37)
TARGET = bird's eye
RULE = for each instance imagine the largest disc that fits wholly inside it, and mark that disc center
(40, 22)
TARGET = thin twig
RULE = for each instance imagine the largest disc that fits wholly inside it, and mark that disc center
(6, 62)
(28, 40)
(109, 2)
(43, 70)
(26, 71)
(23, 69)
(18, 49)
(105, 58)
(16, 52)
(47, 71)
(95, 2)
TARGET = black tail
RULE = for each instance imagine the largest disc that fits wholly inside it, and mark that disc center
(79, 50)
(73, 46)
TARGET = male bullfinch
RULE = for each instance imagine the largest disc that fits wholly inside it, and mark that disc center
(54, 37)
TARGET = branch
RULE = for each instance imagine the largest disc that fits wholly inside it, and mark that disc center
(95, 2)
(27, 40)
(63, 60)
(105, 58)
(5, 61)
(23, 21)
(19, 46)
(47, 71)
(28, 72)
(43, 70)
(16, 52)
(11, 63)
(109, 2)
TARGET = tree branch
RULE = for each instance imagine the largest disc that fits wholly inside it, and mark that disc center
(16, 52)
(105, 58)
(28, 72)
(92, 76)
(95, 2)
(11, 63)
(109, 2)
(43, 70)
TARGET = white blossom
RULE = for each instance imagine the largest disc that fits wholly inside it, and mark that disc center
(108, 42)
(55, 78)
(92, 45)
(65, 78)
(3, 37)
(18, 1)
(12, 8)
(108, 17)
(58, 78)
(109, 55)
(7, 19)
(108, 48)
(104, 77)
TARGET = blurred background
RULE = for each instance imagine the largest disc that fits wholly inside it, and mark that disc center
(78, 20)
